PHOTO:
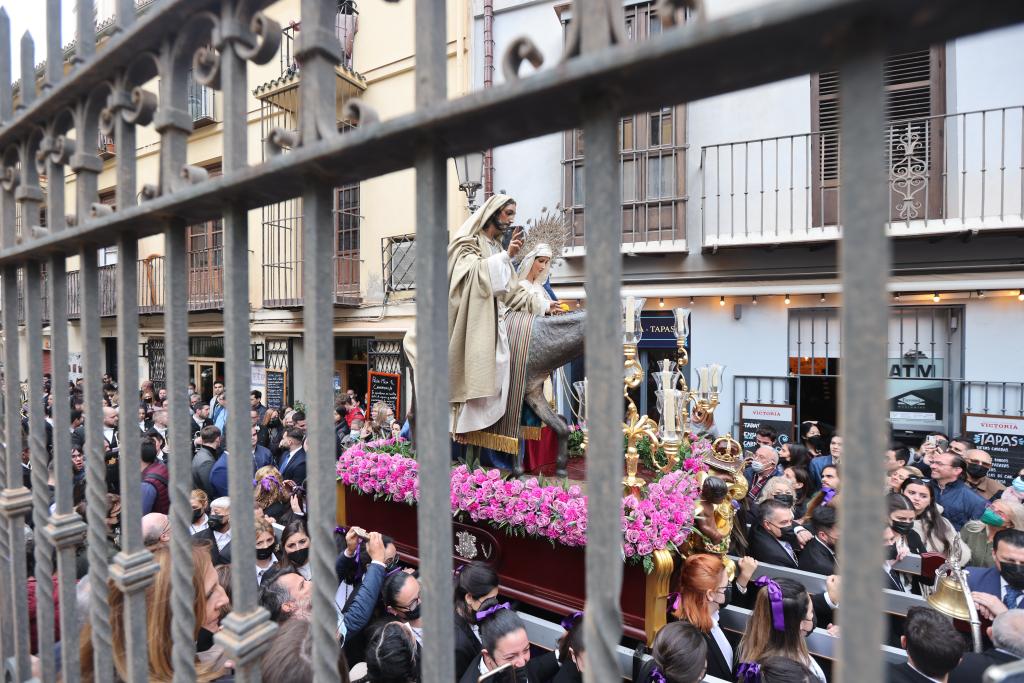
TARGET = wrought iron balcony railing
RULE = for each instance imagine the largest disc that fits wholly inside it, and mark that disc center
(946, 174)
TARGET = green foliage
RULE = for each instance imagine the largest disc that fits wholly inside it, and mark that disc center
(576, 444)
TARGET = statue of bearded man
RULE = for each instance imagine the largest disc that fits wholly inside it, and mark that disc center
(482, 286)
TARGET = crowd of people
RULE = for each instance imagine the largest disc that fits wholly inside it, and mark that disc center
(940, 499)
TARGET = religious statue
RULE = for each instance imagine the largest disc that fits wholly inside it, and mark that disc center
(721, 486)
(480, 274)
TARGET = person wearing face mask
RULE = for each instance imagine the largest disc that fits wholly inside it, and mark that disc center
(782, 618)
(819, 555)
(475, 583)
(295, 544)
(811, 438)
(977, 534)
(773, 537)
(504, 641)
(704, 589)
(200, 521)
(979, 463)
(218, 531)
(936, 532)
(1015, 491)
(763, 466)
(266, 543)
(402, 601)
(901, 520)
(999, 588)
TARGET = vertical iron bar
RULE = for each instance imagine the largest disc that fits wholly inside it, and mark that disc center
(85, 34)
(247, 629)
(124, 14)
(603, 627)
(54, 67)
(66, 528)
(864, 265)
(40, 461)
(28, 78)
(434, 510)
(133, 568)
(95, 456)
(180, 461)
(318, 52)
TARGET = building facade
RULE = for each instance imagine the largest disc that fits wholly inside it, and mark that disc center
(374, 220)
(730, 208)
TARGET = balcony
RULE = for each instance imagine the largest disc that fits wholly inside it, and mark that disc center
(108, 292)
(949, 174)
(282, 251)
(283, 90)
(200, 103)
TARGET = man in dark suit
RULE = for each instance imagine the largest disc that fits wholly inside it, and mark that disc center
(1007, 635)
(997, 589)
(292, 463)
(933, 648)
(819, 554)
(219, 472)
(200, 419)
(773, 537)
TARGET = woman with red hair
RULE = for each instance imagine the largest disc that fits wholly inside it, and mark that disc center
(704, 589)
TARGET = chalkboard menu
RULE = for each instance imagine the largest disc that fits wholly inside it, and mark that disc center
(386, 387)
(756, 415)
(275, 394)
(1002, 437)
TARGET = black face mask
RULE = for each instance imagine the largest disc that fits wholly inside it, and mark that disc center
(1013, 574)
(298, 557)
(902, 528)
(264, 553)
(728, 595)
(414, 613)
(197, 515)
(890, 552)
(788, 534)
(817, 442)
(814, 625)
(785, 498)
(976, 471)
(216, 522)
(204, 641)
(522, 674)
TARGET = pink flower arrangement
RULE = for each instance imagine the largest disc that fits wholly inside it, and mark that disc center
(661, 518)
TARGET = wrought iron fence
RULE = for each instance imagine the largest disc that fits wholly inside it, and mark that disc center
(598, 83)
(961, 172)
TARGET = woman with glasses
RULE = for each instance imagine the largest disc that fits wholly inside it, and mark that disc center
(935, 531)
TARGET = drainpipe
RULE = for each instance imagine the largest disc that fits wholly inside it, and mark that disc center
(488, 82)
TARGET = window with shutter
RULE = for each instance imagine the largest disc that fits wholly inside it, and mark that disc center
(914, 108)
(651, 163)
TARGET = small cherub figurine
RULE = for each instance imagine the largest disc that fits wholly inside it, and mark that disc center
(710, 523)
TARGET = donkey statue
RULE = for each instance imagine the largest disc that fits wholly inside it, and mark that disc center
(555, 341)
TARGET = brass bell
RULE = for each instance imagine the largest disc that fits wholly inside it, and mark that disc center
(949, 598)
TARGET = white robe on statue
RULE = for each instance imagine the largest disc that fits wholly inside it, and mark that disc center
(481, 413)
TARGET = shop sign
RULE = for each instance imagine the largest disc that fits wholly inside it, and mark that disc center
(915, 392)
(275, 394)
(386, 387)
(1002, 437)
(659, 330)
(753, 416)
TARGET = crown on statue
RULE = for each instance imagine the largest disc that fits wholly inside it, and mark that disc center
(726, 454)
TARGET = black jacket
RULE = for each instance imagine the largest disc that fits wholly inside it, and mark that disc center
(902, 673)
(817, 558)
(766, 548)
(467, 647)
(972, 666)
(538, 670)
(218, 556)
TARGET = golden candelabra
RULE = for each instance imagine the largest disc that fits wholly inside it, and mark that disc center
(678, 404)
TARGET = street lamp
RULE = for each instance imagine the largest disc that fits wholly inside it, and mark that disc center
(470, 169)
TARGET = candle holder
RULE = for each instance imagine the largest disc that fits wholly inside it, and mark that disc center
(635, 428)
(682, 334)
(632, 333)
(582, 394)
